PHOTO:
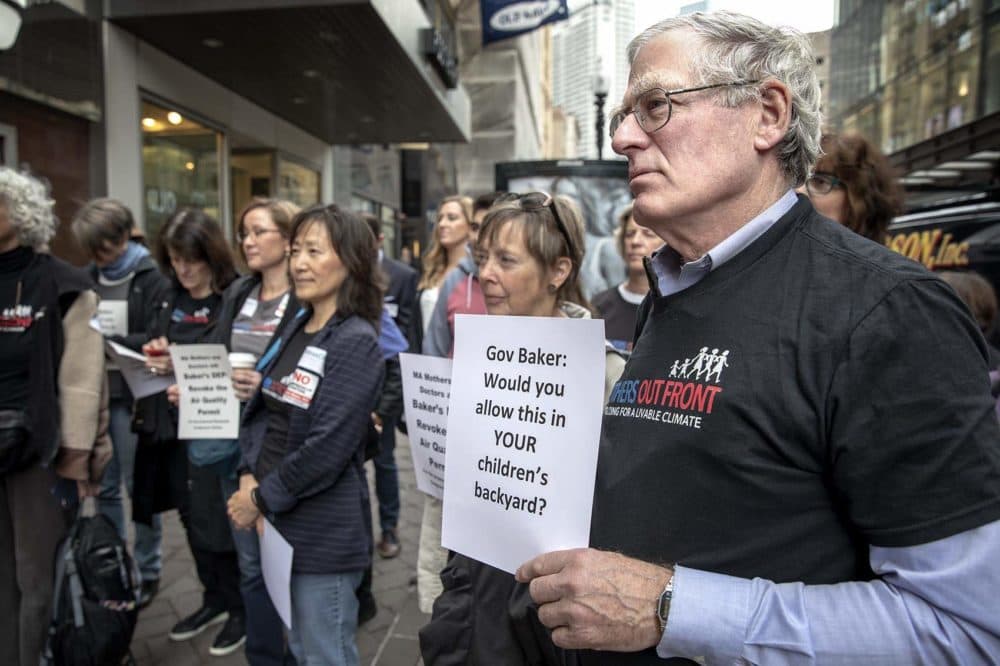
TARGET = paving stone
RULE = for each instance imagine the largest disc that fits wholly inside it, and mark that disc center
(399, 651)
(389, 639)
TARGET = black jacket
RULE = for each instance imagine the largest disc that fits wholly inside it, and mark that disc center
(401, 298)
(146, 293)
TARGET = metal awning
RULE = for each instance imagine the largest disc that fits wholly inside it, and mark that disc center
(962, 159)
(347, 71)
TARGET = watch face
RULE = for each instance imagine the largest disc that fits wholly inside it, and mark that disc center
(663, 605)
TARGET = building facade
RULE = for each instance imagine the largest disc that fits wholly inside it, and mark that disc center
(507, 105)
(590, 44)
(210, 102)
(921, 79)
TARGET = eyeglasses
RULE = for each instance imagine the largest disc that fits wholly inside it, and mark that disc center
(822, 183)
(540, 200)
(254, 233)
(653, 108)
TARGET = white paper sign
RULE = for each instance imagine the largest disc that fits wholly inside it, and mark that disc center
(112, 316)
(276, 565)
(208, 406)
(523, 435)
(426, 389)
(141, 382)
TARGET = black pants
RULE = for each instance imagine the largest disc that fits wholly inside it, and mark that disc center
(219, 574)
(211, 541)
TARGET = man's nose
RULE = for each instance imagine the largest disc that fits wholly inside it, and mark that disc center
(628, 134)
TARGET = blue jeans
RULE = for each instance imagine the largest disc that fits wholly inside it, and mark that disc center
(109, 500)
(265, 644)
(387, 478)
(324, 619)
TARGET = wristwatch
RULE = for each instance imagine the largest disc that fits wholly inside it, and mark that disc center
(663, 604)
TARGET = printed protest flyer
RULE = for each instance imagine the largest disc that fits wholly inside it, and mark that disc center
(208, 407)
(426, 394)
(524, 427)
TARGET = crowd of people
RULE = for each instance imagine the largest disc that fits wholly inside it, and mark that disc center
(838, 503)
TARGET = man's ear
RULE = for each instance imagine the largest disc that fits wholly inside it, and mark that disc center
(775, 114)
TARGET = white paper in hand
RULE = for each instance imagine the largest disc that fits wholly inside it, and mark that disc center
(141, 382)
(276, 565)
(523, 433)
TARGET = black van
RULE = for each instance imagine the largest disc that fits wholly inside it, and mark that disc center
(960, 233)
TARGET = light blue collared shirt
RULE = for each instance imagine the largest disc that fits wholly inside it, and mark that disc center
(933, 603)
(672, 276)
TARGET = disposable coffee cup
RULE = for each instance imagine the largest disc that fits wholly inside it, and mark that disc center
(238, 360)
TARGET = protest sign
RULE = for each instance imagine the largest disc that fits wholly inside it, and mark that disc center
(208, 405)
(426, 390)
(523, 434)
(113, 317)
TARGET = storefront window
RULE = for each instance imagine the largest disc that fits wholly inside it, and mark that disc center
(252, 175)
(180, 165)
(298, 183)
(993, 69)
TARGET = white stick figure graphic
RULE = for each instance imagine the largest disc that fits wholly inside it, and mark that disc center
(721, 361)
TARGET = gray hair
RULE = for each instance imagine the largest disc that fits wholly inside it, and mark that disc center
(741, 48)
(29, 208)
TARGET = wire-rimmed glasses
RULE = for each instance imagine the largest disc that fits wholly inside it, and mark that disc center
(653, 108)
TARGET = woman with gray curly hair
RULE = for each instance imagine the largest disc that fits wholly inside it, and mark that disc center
(50, 356)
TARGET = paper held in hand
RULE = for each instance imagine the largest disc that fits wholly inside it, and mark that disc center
(523, 433)
(208, 406)
(276, 557)
(426, 391)
(141, 382)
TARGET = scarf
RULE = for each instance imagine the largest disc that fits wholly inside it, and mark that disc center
(126, 263)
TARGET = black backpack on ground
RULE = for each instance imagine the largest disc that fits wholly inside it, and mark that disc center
(95, 599)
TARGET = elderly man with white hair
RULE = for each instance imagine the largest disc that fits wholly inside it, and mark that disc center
(801, 461)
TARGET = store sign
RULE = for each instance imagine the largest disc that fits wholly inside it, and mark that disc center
(502, 19)
(933, 248)
(441, 56)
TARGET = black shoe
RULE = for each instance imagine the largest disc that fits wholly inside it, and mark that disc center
(196, 623)
(148, 591)
(367, 608)
(229, 640)
(389, 546)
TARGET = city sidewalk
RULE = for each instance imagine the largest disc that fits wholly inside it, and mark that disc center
(390, 639)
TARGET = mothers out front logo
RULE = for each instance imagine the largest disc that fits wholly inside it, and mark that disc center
(17, 319)
(684, 397)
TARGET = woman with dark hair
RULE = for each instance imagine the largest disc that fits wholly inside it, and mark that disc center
(195, 257)
(530, 254)
(854, 184)
(53, 409)
(304, 431)
(131, 288)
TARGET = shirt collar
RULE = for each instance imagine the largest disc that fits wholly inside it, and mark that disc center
(673, 276)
